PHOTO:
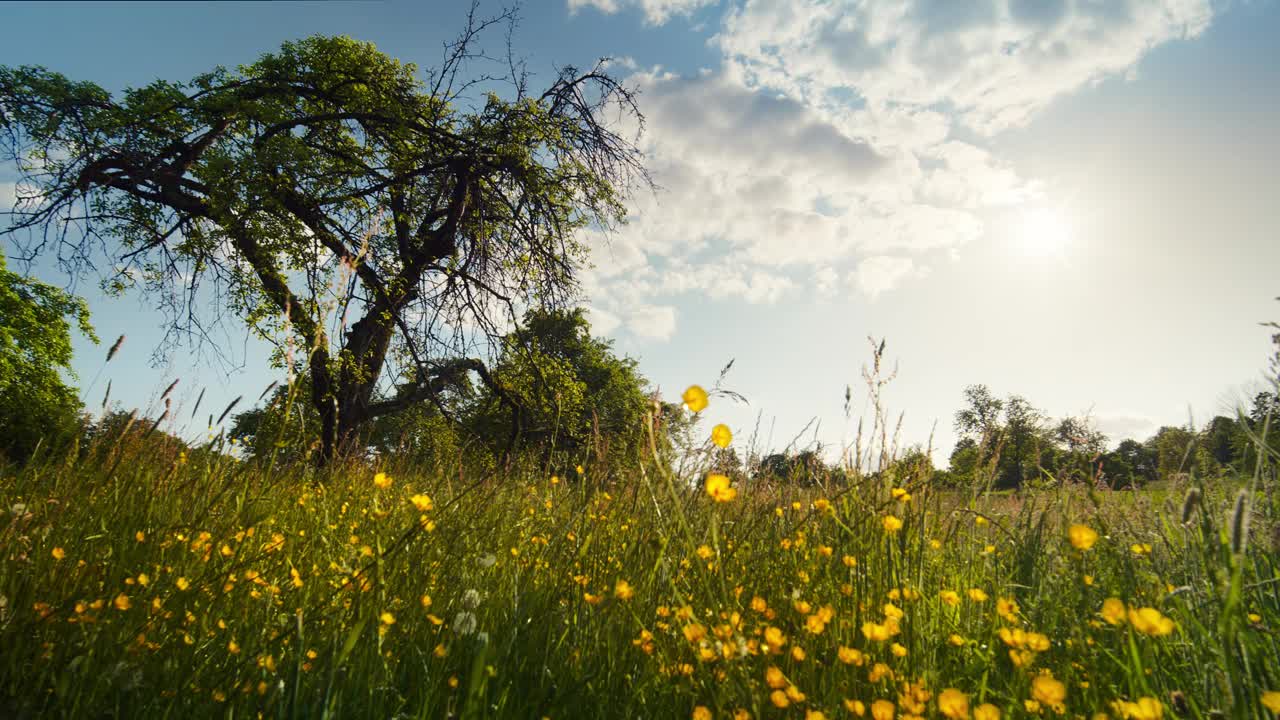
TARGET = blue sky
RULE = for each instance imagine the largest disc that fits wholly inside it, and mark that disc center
(1073, 201)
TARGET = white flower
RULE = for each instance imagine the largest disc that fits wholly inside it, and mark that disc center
(464, 623)
(471, 599)
(487, 560)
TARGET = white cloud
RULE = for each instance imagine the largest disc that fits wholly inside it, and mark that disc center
(656, 12)
(1122, 425)
(881, 273)
(822, 152)
(652, 322)
(8, 196)
(994, 62)
(602, 322)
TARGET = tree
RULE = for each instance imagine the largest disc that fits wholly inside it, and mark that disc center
(375, 224)
(1131, 463)
(36, 403)
(576, 397)
(1009, 429)
(1174, 450)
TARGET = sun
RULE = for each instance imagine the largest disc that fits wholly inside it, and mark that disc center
(1044, 232)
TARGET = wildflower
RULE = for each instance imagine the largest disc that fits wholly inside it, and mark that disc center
(1150, 621)
(422, 502)
(1146, 708)
(122, 602)
(855, 706)
(849, 561)
(592, 599)
(822, 505)
(953, 704)
(891, 524)
(1082, 537)
(774, 637)
(882, 710)
(58, 553)
(876, 632)
(815, 624)
(233, 647)
(794, 694)
(797, 653)
(705, 552)
(1271, 700)
(1007, 608)
(850, 656)
(774, 678)
(956, 639)
(387, 618)
(977, 595)
(879, 671)
(718, 487)
(986, 711)
(721, 435)
(695, 398)
(757, 603)
(470, 598)
(901, 495)
(1140, 549)
(623, 590)
(701, 713)
(464, 623)
(779, 699)
(579, 469)
(950, 597)
(382, 480)
(1048, 690)
(140, 536)
(1113, 611)
(741, 714)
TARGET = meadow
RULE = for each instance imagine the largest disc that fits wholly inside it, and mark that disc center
(143, 580)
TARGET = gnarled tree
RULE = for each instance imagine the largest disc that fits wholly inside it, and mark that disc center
(375, 222)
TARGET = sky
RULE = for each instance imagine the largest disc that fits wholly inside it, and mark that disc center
(1070, 200)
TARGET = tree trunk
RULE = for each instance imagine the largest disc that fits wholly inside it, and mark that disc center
(344, 407)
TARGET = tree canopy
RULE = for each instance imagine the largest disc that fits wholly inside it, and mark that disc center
(36, 402)
(381, 227)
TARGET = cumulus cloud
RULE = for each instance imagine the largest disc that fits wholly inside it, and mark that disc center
(8, 195)
(656, 12)
(880, 273)
(1122, 425)
(995, 62)
(826, 149)
(652, 322)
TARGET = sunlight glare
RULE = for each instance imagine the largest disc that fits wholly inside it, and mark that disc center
(1044, 233)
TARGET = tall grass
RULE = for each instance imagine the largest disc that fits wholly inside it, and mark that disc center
(137, 580)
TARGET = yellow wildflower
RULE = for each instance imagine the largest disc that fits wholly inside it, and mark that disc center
(1082, 537)
(695, 398)
(953, 704)
(1150, 621)
(721, 435)
(986, 711)
(1113, 610)
(623, 590)
(882, 710)
(891, 524)
(382, 480)
(422, 502)
(719, 489)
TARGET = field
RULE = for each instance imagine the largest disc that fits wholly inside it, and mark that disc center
(140, 581)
